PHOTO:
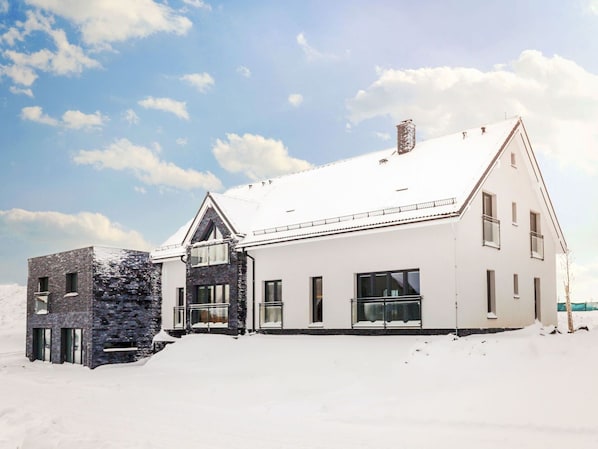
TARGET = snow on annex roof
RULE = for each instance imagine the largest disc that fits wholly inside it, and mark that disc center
(376, 189)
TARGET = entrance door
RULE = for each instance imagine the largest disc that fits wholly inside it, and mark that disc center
(72, 346)
(42, 344)
(537, 299)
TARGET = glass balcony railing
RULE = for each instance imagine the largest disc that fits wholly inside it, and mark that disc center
(536, 245)
(271, 314)
(388, 311)
(490, 231)
(210, 314)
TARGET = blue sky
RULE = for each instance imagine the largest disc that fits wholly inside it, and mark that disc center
(116, 116)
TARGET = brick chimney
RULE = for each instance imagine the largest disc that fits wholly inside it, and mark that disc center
(405, 136)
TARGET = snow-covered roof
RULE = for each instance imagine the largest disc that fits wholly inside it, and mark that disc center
(434, 180)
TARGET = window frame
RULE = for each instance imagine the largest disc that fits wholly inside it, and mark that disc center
(388, 277)
(72, 283)
(43, 281)
(515, 285)
(208, 258)
(317, 300)
(491, 294)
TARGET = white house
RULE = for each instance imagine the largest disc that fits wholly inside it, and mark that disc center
(453, 233)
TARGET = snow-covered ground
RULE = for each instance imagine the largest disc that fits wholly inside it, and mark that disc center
(524, 389)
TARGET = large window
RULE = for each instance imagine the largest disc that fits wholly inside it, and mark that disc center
(71, 282)
(388, 284)
(536, 237)
(316, 300)
(42, 344)
(72, 345)
(211, 250)
(210, 305)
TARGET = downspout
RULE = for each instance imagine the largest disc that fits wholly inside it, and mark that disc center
(252, 290)
(184, 260)
(453, 226)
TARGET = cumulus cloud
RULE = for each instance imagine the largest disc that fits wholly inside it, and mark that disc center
(178, 108)
(244, 71)
(382, 136)
(68, 231)
(201, 81)
(70, 119)
(36, 114)
(198, 4)
(66, 59)
(557, 98)
(182, 141)
(18, 91)
(102, 22)
(256, 156)
(295, 100)
(131, 117)
(123, 155)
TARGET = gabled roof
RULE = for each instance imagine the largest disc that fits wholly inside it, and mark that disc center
(435, 180)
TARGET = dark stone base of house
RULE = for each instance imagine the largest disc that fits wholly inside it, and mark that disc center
(374, 332)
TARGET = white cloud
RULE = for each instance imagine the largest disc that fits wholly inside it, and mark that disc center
(131, 117)
(295, 99)
(36, 114)
(244, 71)
(201, 81)
(311, 53)
(140, 189)
(78, 120)
(146, 166)
(182, 141)
(17, 91)
(198, 4)
(178, 108)
(102, 22)
(256, 156)
(24, 76)
(382, 136)
(557, 99)
(69, 231)
(3, 6)
(70, 119)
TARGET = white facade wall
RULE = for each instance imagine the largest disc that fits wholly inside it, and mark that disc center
(518, 185)
(339, 259)
(173, 277)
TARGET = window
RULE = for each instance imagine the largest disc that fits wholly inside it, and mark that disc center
(213, 254)
(41, 303)
(388, 284)
(72, 346)
(516, 285)
(490, 224)
(536, 237)
(179, 310)
(120, 346)
(316, 299)
(271, 307)
(513, 160)
(491, 293)
(212, 234)
(514, 213)
(43, 284)
(210, 305)
(42, 344)
(71, 283)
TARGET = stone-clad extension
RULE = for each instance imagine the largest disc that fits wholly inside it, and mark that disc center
(92, 306)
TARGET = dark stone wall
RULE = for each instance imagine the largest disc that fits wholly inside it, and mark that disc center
(117, 301)
(126, 306)
(219, 274)
(65, 311)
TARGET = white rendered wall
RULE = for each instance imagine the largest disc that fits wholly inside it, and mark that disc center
(173, 277)
(337, 260)
(510, 185)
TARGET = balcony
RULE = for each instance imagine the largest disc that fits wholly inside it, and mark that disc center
(208, 315)
(271, 314)
(490, 231)
(536, 242)
(41, 303)
(179, 318)
(386, 312)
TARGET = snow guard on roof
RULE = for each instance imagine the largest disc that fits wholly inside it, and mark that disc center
(405, 136)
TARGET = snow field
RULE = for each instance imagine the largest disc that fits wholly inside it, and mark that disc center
(483, 391)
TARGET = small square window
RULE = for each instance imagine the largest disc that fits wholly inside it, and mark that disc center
(43, 284)
(71, 282)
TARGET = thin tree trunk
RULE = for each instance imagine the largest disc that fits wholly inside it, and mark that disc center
(567, 285)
